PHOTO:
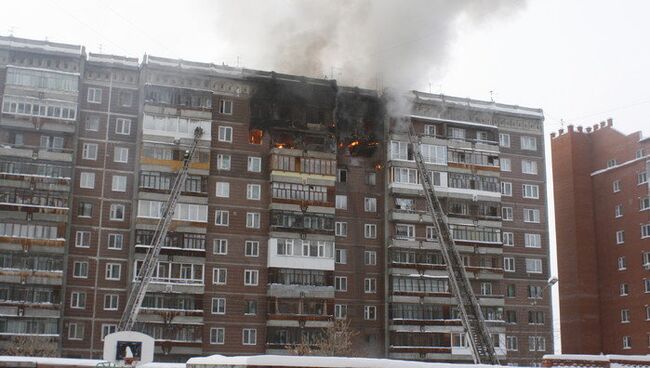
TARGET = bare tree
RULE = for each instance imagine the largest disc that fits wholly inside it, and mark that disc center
(335, 340)
(32, 346)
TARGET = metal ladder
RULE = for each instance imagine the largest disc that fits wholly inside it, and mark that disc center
(479, 337)
(139, 288)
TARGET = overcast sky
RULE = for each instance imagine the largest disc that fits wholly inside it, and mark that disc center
(581, 61)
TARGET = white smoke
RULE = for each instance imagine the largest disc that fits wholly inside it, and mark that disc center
(373, 44)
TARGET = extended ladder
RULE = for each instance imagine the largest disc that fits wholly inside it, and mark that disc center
(471, 314)
(150, 263)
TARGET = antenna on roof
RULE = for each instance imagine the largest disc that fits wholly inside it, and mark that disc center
(492, 95)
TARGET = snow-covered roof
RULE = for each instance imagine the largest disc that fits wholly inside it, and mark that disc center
(36, 45)
(599, 358)
(315, 361)
(209, 68)
(478, 104)
(77, 362)
(642, 158)
(125, 61)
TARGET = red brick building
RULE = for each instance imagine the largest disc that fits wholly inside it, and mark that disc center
(602, 215)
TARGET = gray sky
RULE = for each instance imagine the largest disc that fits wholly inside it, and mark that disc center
(582, 61)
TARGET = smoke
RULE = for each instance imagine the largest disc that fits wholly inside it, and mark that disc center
(373, 44)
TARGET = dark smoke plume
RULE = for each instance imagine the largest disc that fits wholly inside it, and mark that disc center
(377, 43)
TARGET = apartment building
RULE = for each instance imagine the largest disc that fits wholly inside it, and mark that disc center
(602, 214)
(40, 84)
(302, 206)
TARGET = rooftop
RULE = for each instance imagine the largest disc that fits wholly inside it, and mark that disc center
(41, 46)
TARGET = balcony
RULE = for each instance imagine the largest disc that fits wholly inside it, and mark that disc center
(29, 327)
(469, 159)
(303, 310)
(161, 182)
(180, 335)
(279, 337)
(282, 163)
(419, 342)
(192, 243)
(302, 222)
(303, 195)
(294, 283)
(174, 277)
(33, 201)
(21, 169)
(30, 296)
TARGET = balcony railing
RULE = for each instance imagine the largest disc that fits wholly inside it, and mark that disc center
(29, 326)
(179, 303)
(27, 295)
(35, 169)
(179, 241)
(20, 262)
(300, 277)
(470, 157)
(33, 198)
(300, 221)
(160, 332)
(163, 182)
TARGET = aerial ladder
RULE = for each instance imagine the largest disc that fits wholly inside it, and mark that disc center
(471, 314)
(145, 274)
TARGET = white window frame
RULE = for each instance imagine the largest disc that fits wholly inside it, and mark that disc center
(341, 229)
(254, 164)
(341, 283)
(528, 143)
(370, 285)
(370, 204)
(529, 167)
(217, 273)
(121, 155)
(370, 231)
(532, 215)
(645, 231)
(82, 239)
(224, 161)
(251, 277)
(509, 264)
(369, 312)
(504, 140)
(111, 269)
(89, 151)
(508, 238)
(83, 265)
(123, 126)
(111, 243)
(253, 220)
(76, 331)
(370, 258)
(107, 329)
(505, 164)
(618, 211)
(226, 107)
(341, 202)
(252, 245)
(222, 189)
(225, 134)
(530, 191)
(111, 302)
(506, 188)
(620, 237)
(340, 256)
(217, 335)
(220, 304)
(224, 217)
(249, 336)
(253, 192)
(78, 300)
(532, 265)
(119, 183)
(616, 186)
(532, 240)
(94, 95)
(114, 211)
(220, 246)
(87, 180)
(340, 311)
(507, 214)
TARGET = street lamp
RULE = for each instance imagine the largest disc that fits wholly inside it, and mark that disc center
(549, 283)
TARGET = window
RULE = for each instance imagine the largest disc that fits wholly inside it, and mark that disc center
(370, 257)
(504, 140)
(249, 336)
(92, 123)
(533, 265)
(252, 248)
(218, 305)
(508, 238)
(220, 246)
(529, 167)
(512, 343)
(536, 343)
(225, 134)
(645, 231)
(457, 133)
(370, 204)
(616, 186)
(622, 263)
(123, 126)
(646, 259)
(125, 98)
(223, 162)
(253, 192)
(341, 256)
(250, 307)
(217, 335)
(78, 300)
(253, 220)
(222, 189)
(75, 331)
(620, 237)
(624, 289)
(119, 183)
(341, 229)
(625, 316)
(219, 276)
(370, 231)
(534, 292)
(371, 178)
(506, 188)
(530, 191)
(511, 291)
(627, 342)
(341, 202)
(531, 215)
(642, 178)
(94, 95)
(369, 312)
(618, 211)
(506, 164)
(370, 285)
(506, 213)
(430, 130)
(87, 180)
(405, 231)
(341, 175)
(251, 277)
(82, 239)
(221, 218)
(528, 143)
(340, 311)
(108, 329)
(113, 271)
(254, 164)
(611, 163)
(85, 209)
(431, 234)
(117, 212)
(341, 283)
(533, 240)
(535, 317)
(115, 241)
(640, 153)
(486, 288)
(646, 284)
(225, 107)
(511, 316)
(89, 151)
(80, 270)
(644, 203)
(111, 301)
(509, 264)
(401, 151)
(121, 155)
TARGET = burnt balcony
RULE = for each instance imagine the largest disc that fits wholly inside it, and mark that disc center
(178, 97)
(32, 296)
(33, 200)
(33, 263)
(302, 222)
(474, 182)
(161, 182)
(302, 165)
(18, 169)
(302, 194)
(192, 243)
